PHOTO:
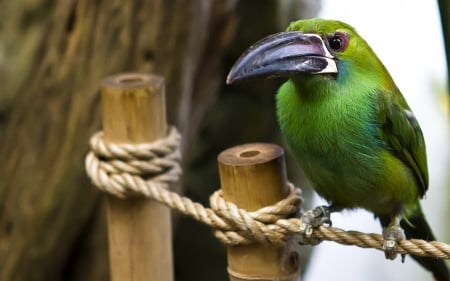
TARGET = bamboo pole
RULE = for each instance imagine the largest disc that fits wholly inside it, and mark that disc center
(139, 230)
(254, 176)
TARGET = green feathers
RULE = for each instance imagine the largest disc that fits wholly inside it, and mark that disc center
(347, 123)
(359, 126)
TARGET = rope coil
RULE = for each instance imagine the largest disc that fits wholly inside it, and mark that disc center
(147, 169)
(113, 167)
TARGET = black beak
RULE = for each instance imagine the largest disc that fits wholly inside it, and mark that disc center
(284, 54)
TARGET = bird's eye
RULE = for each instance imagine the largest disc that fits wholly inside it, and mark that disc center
(338, 41)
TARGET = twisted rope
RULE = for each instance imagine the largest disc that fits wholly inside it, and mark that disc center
(119, 169)
(147, 170)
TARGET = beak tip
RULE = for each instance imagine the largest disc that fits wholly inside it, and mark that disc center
(231, 78)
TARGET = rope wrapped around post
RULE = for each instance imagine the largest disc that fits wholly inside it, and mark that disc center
(114, 168)
(120, 170)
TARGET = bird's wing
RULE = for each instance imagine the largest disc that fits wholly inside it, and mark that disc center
(401, 131)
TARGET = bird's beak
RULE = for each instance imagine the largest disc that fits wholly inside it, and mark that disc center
(284, 54)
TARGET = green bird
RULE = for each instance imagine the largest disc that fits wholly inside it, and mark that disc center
(348, 126)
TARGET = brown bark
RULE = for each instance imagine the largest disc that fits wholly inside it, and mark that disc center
(58, 51)
(53, 55)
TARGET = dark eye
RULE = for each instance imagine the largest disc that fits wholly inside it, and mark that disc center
(338, 41)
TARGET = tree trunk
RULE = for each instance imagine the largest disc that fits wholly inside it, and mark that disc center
(53, 55)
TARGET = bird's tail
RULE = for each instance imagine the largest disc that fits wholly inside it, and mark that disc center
(416, 227)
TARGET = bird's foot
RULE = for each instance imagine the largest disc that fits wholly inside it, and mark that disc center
(392, 235)
(312, 219)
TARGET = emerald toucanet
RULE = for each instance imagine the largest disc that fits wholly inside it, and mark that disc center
(348, 126)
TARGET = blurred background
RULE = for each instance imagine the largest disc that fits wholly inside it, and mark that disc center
(53, 55)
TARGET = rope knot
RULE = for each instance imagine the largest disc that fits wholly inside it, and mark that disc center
(260, 226)
(127, 170)
(146, 169)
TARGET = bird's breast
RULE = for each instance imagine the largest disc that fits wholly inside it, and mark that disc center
(337, 144)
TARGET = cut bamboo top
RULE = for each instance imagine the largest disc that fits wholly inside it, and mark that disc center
(133, 105)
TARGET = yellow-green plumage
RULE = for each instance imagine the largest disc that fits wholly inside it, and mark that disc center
(347, 123)
(351, 133)
(336, 140)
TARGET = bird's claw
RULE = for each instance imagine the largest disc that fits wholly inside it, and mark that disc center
(312, 219)
(392, 235)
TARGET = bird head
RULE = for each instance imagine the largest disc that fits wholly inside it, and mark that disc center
(327, 49)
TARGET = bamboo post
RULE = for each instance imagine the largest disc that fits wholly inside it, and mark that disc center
(139, 230)
(254, 176)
